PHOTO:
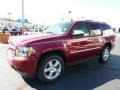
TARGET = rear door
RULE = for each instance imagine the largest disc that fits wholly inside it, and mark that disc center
(95, 39)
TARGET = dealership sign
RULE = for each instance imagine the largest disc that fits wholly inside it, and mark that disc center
(22, 20)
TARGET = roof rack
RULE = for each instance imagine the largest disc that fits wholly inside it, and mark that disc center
(88, 20)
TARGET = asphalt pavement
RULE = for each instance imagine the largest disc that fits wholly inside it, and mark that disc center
(86, 76)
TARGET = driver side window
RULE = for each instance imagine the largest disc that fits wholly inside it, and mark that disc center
(81, 29)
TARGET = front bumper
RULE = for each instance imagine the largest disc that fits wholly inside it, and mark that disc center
(25, 66)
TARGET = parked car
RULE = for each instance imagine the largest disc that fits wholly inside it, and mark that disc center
(4, 30)
(15, 31)
(33, 31)
(26, 31)
(46, 54)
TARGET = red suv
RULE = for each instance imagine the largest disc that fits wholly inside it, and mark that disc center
(46, 54)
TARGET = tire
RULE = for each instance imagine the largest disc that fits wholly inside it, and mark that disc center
(50, 68)
(105, 55)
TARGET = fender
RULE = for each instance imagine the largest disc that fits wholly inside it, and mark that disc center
(44, 47)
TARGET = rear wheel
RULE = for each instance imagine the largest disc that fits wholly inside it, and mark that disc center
(50, 68)
(105, 55)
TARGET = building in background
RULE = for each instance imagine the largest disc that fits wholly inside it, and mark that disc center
(10, 23)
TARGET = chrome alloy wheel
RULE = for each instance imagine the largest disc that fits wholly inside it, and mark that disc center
(52, 69)
(106, 54)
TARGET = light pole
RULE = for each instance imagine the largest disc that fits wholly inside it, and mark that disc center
(9, 15)
(22, 17)
(69, 15)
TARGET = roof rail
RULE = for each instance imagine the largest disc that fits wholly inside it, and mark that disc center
(89, 20)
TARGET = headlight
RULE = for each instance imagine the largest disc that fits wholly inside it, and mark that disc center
(25, 51)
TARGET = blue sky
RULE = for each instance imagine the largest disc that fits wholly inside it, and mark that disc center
(49, 11)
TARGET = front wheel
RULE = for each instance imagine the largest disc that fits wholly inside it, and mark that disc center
(50, 68)
(105, 55)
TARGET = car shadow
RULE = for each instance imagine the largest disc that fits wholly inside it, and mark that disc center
(84, 76)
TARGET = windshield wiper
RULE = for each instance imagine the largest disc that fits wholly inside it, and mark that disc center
(50, 32)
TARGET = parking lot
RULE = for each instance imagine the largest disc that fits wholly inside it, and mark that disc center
(86, 76)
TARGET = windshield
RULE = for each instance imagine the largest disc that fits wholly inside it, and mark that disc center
(58, 29)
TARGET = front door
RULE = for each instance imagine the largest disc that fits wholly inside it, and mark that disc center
(79, 42)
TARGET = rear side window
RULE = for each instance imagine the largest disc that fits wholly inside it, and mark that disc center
(95, 29)
(107, 30)
(106, 26)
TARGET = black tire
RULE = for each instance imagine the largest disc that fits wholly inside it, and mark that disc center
(102, 58)
(42, 75)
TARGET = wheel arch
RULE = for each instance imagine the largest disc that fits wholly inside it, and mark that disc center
(61, 53)
(109, 44)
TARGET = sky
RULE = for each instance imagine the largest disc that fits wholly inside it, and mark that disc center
(51, 11)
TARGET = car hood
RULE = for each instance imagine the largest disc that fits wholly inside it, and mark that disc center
(29, 38)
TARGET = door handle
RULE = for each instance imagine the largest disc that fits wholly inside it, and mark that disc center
(89, 40)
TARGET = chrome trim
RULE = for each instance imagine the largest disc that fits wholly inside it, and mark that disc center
(84, 50)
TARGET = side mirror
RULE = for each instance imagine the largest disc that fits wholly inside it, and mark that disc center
(77, 33)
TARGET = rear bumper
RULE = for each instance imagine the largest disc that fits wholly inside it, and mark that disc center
(25, 66)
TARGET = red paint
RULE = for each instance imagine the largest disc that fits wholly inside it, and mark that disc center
(74, 49)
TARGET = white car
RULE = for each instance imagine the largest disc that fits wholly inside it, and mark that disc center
(33, 31)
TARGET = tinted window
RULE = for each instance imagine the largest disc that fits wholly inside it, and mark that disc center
(81, 27)
(95, 29)
(106, 26)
